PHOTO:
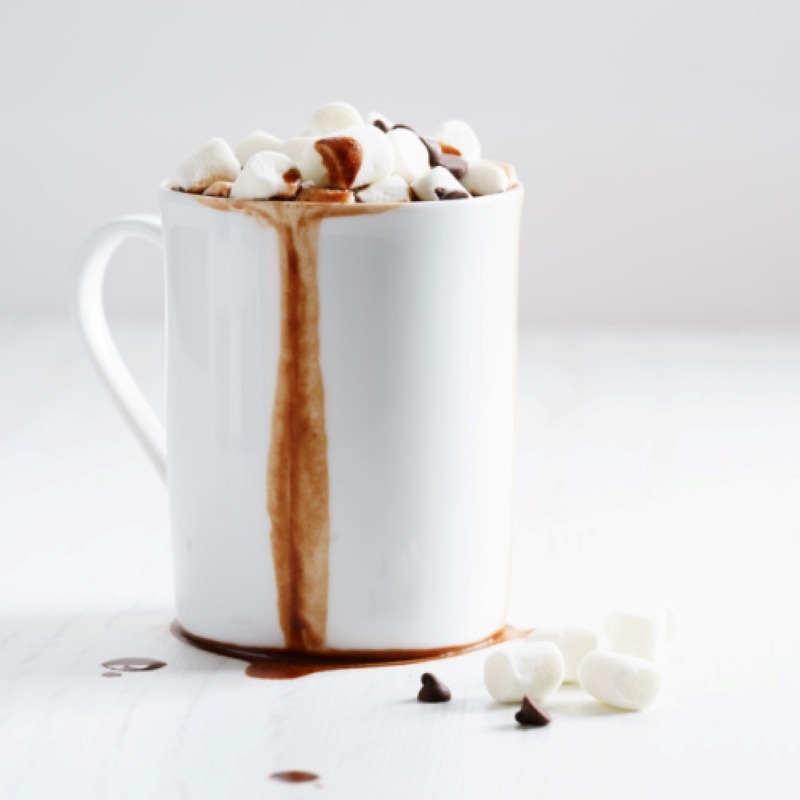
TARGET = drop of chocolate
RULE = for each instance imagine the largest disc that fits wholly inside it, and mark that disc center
(294, 776)
(133, 664)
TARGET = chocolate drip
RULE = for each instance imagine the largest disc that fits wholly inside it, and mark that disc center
(342, 158)
(297, 468)
(297, 480)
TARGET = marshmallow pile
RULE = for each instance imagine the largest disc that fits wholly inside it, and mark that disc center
(627, 675)
(343, 157)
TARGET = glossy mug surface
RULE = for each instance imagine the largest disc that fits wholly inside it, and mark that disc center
(340, 405)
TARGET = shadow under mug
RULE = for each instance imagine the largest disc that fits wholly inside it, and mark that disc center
(340, 406)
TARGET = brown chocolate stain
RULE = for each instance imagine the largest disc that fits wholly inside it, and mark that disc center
(342, 158)
(292, 175)
(319, 194)
(278, 664)
(294, 776)
(297, 469)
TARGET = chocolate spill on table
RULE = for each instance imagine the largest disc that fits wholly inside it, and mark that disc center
(297, 468)
(279, 664)
(294, 776)
(133, 664)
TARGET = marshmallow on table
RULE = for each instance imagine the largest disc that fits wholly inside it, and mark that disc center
(620, 680)
(390, 190)
(438, 184)
(573, 642)
(267, 175)
(334, 117)
(350, 158)
(642, 632)
(410, 154)
(520, 668)
(214, 161)
(459, 136)
(486, 177)
(254, 143)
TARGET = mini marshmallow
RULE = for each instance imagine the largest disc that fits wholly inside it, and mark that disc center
(214, 161)
(379, 121)
(520, 668)
(255, 143)
(461, 137)
(267, 175)
(485, 177)
(620, 680)
(573, 642)
(638, 632)
(334, 117)
(391, 190)
(410, 154)
(353, 157)
(438, 184)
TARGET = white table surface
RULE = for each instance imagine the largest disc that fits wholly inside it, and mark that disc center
(655, 464)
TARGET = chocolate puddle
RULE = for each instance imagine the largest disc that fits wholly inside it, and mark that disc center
(294, 776)
(133, 664)
(297, 469)
(276, 664)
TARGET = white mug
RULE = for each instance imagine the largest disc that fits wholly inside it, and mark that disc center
(340, 405)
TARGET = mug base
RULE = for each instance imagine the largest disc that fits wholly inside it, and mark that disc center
(278, 663)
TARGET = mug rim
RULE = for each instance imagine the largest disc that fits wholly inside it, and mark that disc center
(164, 190)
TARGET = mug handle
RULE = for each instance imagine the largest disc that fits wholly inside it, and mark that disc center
(92, 263)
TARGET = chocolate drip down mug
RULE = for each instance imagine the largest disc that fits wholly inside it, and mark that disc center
(340, 407)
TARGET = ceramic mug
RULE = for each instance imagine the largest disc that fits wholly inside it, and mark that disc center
(340, 403)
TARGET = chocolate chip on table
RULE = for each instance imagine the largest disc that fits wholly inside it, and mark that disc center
(530, 715)
(433, 690)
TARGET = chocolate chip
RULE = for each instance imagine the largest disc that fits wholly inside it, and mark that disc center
(531, 715)
(456, 164)
(450, 194)
(433, 690)
(434, 150)
(381, 125)
(407, 127)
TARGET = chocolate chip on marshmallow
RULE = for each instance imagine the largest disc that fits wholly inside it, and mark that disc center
(267, 175)
(438, 184)
(214, 161)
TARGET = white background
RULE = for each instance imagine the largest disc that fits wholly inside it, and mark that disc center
(659, 141)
